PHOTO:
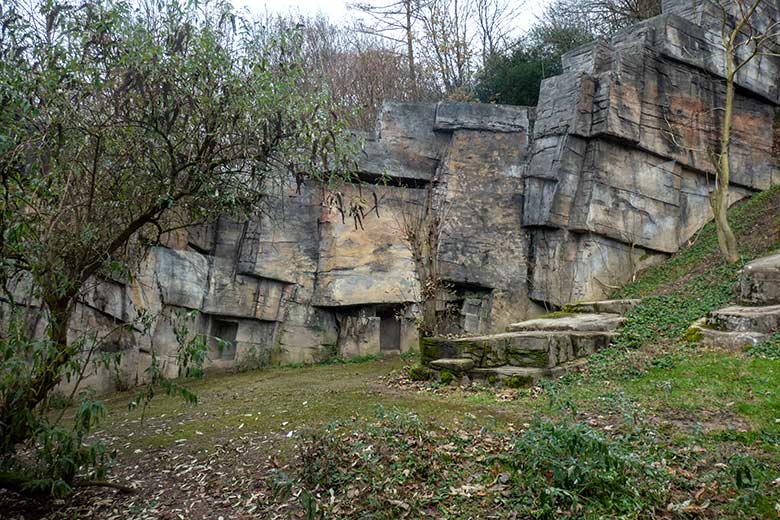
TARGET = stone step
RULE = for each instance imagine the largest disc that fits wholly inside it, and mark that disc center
(759, 283)
(458, 365)
(621, 307)
(702, 334)
(523, 377)
(738, 318)
(537, 349)
(583, 322)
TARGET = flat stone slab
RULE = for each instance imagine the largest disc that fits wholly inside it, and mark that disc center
(737, 318)
(739, 341)
(480, 116)
(535, 349)
(453, 364)
(621, 307)
(759, 283)
(525, 377)
(582, 322)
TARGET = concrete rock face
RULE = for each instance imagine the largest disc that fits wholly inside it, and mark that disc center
(540, 207)
(760, 282)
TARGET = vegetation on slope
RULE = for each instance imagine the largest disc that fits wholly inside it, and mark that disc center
(698, 280)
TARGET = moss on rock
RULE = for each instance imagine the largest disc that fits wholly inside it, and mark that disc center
(517, 381)
(419, 373)
(693, 335)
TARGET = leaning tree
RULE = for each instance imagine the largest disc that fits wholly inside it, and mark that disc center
(119, 122)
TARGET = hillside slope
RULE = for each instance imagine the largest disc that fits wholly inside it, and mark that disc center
(697, 280)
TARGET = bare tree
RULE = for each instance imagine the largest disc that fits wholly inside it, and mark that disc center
(600, 18)
(359, 69)
(444, 41)
(448, 41)
(743, 39)
(495, 18)
(421, 226)
(394, 21)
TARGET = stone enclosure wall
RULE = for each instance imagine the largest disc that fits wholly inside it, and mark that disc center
(541, 206)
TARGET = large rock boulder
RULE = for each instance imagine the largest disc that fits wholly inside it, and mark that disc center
(760, 282)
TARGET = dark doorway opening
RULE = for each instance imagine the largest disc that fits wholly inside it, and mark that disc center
(226, 331)
(389, 329)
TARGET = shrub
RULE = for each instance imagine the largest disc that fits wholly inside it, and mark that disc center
(567, 466)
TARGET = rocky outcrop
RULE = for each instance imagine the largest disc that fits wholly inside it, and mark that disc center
(755, 319)
(619, 163)
(760, 282)
(540, 207)
(530, 350)
(573, 321)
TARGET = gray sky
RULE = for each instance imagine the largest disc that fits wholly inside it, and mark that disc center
(338, 12)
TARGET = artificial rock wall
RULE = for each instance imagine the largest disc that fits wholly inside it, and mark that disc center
(541, 206)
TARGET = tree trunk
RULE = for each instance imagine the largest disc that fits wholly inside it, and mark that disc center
(726, 239)
(15, 423)
(719, 201)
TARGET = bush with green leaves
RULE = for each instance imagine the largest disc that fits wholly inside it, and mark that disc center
(566, 466)
(121, 122)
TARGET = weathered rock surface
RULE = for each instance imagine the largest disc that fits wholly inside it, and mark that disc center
(540, 208)
(454, 364)
(619, 307)
(576, 322)
(619, 152)
(760, 282)
(702, 333)
(492, 118)
(532, 349)
(738, 326)
(524, 377)
(736, 318)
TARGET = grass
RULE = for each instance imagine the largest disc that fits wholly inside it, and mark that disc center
(697, 421)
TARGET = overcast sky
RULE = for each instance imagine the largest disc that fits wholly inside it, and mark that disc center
(338, 12)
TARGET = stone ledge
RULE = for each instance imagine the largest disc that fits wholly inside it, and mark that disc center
(578, 322)
(621, 307)
(480, 116)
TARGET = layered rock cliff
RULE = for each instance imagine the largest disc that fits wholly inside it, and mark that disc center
(540, 206)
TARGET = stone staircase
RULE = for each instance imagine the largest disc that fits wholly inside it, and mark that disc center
(533, 349)
(757, 315)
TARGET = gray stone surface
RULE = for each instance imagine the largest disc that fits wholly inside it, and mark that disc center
(620, 307)
(707, 336)
(453, 364)
(576, 322)
(182, 277)
(535, 349)
(760, 282)
(736, 318)
(526, 377)
(368, 265)
(482, 116)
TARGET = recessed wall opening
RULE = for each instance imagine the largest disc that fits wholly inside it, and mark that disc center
(389, 329)
(464, 309)
(226, 331)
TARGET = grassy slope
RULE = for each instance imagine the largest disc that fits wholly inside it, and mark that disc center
(697, 280)
(710, 420)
